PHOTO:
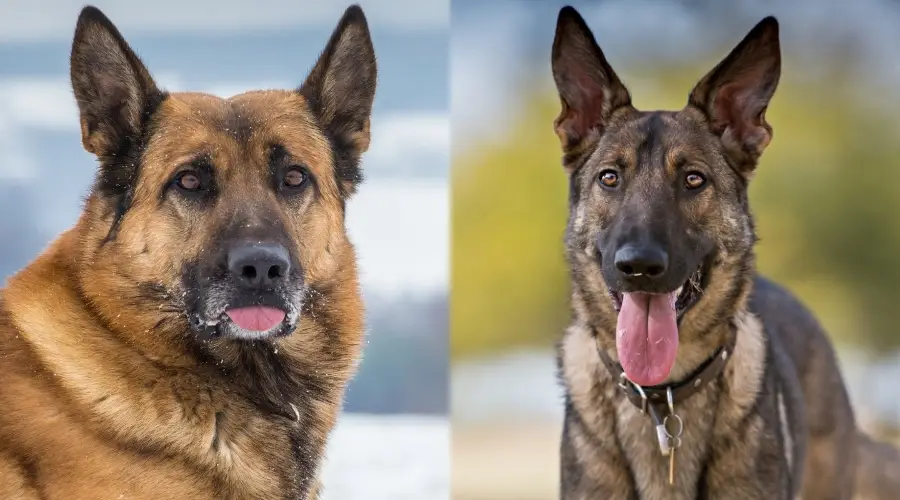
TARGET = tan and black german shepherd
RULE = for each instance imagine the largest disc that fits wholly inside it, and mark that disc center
(687, 376)
(192, 336)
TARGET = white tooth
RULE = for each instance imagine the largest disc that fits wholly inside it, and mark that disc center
(678, 292)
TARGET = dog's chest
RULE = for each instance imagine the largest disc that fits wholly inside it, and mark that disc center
(649, 467)
(263, 459)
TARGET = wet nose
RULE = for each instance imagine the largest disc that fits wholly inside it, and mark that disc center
(259, 265)
(641, 260)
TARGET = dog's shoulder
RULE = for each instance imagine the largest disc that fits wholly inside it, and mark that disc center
(7, 331)
(772, 300)
(25, 390)
(16, 358)
(787, 320)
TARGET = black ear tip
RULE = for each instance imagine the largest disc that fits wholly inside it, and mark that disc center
(570, 22)
(768, 25)
(354, 15)
(568, 14)
(91, 14)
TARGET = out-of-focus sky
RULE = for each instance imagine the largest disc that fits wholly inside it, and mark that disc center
(399, 218)
(502, 47)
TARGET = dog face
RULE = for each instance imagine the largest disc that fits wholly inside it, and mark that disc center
(222, 217)
(660, 236)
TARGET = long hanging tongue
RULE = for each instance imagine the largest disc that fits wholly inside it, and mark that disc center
(647, 337)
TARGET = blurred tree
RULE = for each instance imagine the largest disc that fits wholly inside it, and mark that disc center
(509, 282)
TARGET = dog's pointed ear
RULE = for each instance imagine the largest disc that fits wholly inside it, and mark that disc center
(589, 89)
(111, 85)
(734, 96)
(340, 90)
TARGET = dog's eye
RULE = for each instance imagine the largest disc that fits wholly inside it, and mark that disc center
(693, 180)
(295, 177)
(188, 181)
(608, 178)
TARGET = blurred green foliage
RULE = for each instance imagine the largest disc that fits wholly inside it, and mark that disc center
(825, 197)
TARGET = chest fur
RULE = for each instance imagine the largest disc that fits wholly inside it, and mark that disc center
(640, 447)
(710, 417)
(259, 457)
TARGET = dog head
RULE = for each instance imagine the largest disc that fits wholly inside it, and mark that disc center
(220, 217)
(660, 236)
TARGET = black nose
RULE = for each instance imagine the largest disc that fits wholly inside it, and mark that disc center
(645, 260)
(259, 265)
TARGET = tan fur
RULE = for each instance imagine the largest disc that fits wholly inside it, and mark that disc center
(777, 423)
(618, 420)
(105, 395)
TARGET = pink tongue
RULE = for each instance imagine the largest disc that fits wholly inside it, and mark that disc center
(647, 337)
(259, 319)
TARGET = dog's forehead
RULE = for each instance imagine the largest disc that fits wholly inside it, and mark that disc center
(641, 136)
(238, 128)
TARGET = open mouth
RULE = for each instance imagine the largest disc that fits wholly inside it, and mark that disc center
(253, 322)
(256, 318)
(685, 296)
(647, 327)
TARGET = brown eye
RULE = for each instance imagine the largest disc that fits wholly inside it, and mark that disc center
(295, 177)
(693, 180)
(188, 181)
(608, 178)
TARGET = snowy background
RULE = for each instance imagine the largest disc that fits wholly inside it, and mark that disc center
(393, 442)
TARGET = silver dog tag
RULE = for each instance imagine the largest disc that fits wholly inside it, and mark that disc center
(664, 440)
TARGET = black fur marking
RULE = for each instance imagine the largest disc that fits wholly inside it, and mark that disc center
(575, 159)
(574, 190)
(237, 124)
(702, 484)
(346, 162)
(569, 460)
(647, 150)
(271, 383)
(306, 458)
(202, 165)
(345, 157)
(568, 456)
(118, 176)
(740, 281)
(218, 423)
(340, 91)
(151, 291)
(742, 179)
(30, 471)
(280, 161)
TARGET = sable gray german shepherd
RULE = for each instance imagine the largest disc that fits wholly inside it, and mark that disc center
(192, 336)
(687, 376)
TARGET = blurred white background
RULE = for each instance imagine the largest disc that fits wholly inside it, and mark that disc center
(396, 422)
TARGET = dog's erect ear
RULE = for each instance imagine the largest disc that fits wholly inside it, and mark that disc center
(111, 84)
(589, 89)
(735, 94)
(340, 89)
